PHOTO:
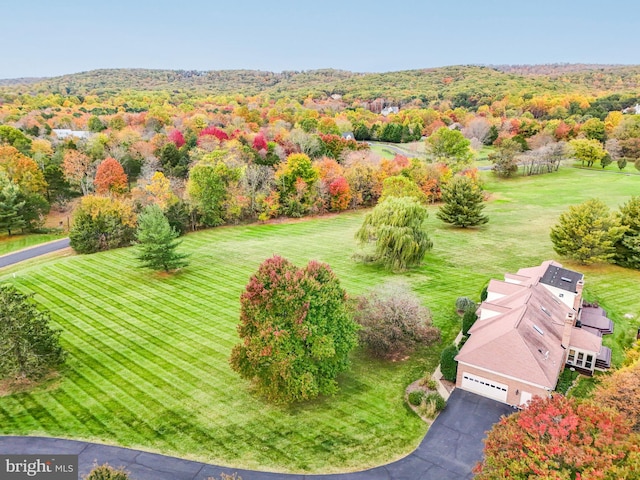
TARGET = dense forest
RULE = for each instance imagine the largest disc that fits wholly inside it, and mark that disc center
(228, 146)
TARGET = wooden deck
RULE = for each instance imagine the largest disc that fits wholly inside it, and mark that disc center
(596, 318)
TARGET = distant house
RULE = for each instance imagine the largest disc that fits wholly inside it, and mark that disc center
(633, 110)
(389, 110)
(348, 136)
(530, 326)
(63, 133)
(455, 126)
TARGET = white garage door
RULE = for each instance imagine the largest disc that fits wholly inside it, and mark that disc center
(485, 387)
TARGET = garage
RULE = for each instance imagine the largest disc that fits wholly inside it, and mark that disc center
(485, 387)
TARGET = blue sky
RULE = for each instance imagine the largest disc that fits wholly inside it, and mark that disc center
(45, 38)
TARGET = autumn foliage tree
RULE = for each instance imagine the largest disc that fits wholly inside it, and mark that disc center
(559, 438)
(621, 390)
(340, 194)
(77, 167)
(102, 223)
(296, 331)
(110, 177)
(176, 137)
(22, 170)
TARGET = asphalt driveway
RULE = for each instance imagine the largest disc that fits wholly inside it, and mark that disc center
(32, 252)
(452, 446)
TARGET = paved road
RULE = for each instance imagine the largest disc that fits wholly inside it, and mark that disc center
(449, 451)
(31, 252)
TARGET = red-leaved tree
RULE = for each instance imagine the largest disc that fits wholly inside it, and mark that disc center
(559, 438)
(110, 177)
(259, 142)
(215, 132)
(176, 137)
(340, 192)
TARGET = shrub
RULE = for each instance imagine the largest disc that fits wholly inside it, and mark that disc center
(437, 400)
(107, 472)
(415, 397)
(393, 322)
(427, 409)
(468, 320)
(429, 382)
(465, 304)
(484, 293)
(448, 365)
(102, 223)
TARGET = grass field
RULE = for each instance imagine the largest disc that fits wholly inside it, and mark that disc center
(148, 354)
(14, 243)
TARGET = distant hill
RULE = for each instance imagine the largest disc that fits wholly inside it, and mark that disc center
(466, 85)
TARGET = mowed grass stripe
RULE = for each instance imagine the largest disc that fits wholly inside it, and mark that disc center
(153, 350)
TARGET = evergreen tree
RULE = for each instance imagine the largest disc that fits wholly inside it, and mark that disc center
(463, 203)
(157, 241)
(396, 227)
(29, 348)
(10, 208)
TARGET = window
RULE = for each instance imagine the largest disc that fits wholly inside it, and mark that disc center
(572, 356)
(580, 358)
(589, 362)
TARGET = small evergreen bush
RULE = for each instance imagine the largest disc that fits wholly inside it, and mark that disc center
(468, 320)
(448, 366)
(465, 304)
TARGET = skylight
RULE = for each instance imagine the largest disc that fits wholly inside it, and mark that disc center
(565, 279)
(538, 329)
(545, 310)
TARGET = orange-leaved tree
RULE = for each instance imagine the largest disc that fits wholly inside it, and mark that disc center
(559, 438)
(110, 177)
(76, 167)
(22, 170)
(621, 391)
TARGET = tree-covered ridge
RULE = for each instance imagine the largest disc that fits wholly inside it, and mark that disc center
(473, 85)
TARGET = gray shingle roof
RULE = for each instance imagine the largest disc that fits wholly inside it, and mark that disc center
(561, 278)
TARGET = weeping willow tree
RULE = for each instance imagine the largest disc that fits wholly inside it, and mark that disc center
(395, 226)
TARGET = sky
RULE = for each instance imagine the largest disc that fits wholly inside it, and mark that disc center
(43, 38)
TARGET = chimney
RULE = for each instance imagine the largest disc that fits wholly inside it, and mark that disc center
(577, 301)
(569, 322)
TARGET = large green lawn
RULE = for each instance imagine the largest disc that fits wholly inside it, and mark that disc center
(148, 354)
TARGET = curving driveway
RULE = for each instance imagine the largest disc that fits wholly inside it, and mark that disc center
(452, 446)
(32, 252)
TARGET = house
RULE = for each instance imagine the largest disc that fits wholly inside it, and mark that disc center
(633, 110)
(528, 329)
(63, 133)
(348, 136)
(386, 111)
